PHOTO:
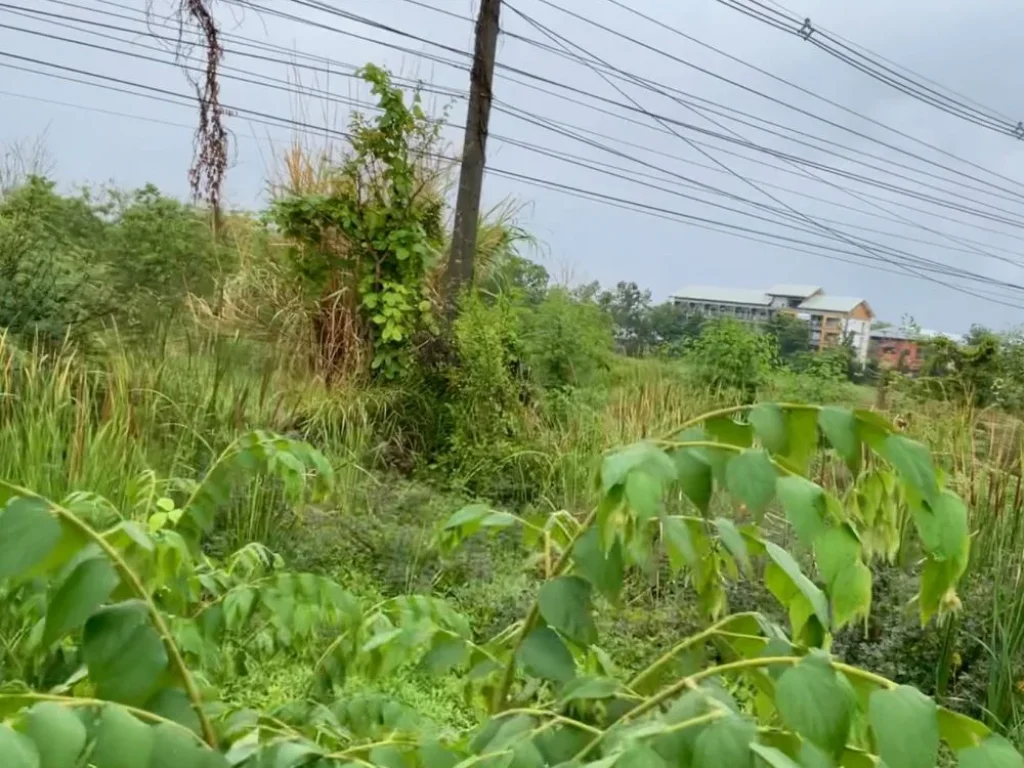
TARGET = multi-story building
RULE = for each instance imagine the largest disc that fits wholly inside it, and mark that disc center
(831, 318)
(834, 319)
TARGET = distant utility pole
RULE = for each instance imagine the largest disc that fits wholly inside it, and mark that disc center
(471, 177)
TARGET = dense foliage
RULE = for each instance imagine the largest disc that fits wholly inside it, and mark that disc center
(135, 617)
(69, 265)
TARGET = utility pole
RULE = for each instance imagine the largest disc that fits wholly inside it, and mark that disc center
(471, 176)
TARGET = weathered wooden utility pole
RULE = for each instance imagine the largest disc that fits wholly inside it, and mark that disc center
(471, 177)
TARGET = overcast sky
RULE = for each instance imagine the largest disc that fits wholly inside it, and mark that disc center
(970, 46)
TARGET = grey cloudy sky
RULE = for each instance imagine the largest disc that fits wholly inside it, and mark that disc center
(967, 45)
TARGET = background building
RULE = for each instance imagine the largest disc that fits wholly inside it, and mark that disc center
(832, 318)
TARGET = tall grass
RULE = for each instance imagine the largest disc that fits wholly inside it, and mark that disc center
(71, 422)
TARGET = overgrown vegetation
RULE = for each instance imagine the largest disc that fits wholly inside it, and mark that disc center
(259, 508)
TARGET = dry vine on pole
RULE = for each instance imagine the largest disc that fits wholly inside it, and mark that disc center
(210, 159)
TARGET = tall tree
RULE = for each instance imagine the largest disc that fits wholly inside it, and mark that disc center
(792, 335)
(629, 309)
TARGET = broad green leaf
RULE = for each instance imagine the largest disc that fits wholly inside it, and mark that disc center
(725, 429)
(774, 757)
(695, 477)
(79, 594)
(639, 755)
(58, 733)
(617, 465)
(993, 752)
(733, 541)
(17, 750)
(851, 594)
(436, 755)
(960, 731)
(726, 744)
(770, 427)
(872, 427)
(121, 740)
(678, 745)
(382, 755)
(445, 655)
(789, 567)
(802, 429)
(559, 744)
(938, 579)
(565, 605)
(173, 704)
(124, 654)
(544, 655)
(839, 426)
(944, 530)
(750, 477)
(589, 688)
(804, 503)
(175, 747)
(604, 570)
(644, 491)
(289, 754)
(679, 543)
(812, 757)
(834, 549)
(28, 531)
(475, 516)
(906, 727)
(914, 464)
(812, 702)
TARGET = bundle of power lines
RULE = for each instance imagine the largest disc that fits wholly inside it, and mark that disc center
(905, 192)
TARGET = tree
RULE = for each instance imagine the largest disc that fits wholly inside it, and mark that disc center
(629, 309)
(518, 275)
(365, 250)
(671, 325)
(792, 335)
(731, 356)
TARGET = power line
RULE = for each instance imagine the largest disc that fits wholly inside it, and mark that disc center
(835, 233)
(806, 91)
(907, 221)
(530, 117)
(687, 182)
(504, 68)
(756, 92)
(884, 74)
(161, 95)
(590, 165)
(892, 63)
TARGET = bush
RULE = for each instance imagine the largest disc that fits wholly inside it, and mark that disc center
(487, 390)
(69, 264)
(51, 282)
(730, 357)
(159, 251)
(567, 342)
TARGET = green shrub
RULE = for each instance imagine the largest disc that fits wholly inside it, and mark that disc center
(487, 391)
(731, 357)
(159, 252)
(52, 284)
(567, 342)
